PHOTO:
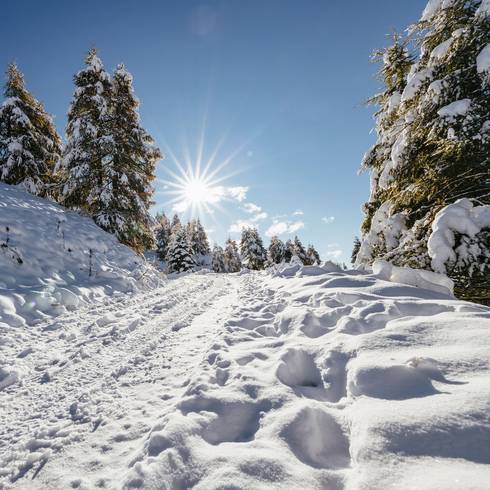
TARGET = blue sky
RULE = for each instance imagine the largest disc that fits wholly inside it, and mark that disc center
(280, 83)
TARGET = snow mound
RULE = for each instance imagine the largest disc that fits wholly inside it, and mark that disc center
(331, 380)
(297, 269)
(432, 281)
(53, 260)
(459, 217)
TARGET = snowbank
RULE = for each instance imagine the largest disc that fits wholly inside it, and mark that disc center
(420, 278)
(459, 217)
(52, 260)
(331, 380)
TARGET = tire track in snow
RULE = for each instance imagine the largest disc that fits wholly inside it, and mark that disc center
(84, 374)
(244, 422)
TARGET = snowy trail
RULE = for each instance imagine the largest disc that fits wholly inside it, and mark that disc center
(300, 377)
(97, 380)
(335, 380)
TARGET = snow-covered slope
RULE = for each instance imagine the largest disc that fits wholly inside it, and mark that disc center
(51, 259)
(306, 377)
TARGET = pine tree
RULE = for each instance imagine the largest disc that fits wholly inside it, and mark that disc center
(179, 256)
(384, 155)
(275, 253)
(437, 145)
(233, 262)
(288, 251)
(218, 259)
(127, 170)
(89, 144)
(202, 243)
(198, 240)
(162, 236)
(30, 147)
(190, 231)
(299, 250)
(252, 249)
(176, 224)
(312, 256)
(355, 250)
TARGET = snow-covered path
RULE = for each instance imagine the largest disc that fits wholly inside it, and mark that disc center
(302, 377)
(96, 381)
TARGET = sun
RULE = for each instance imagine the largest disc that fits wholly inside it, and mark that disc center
(196, 191)
(193, 193)
(196, 185)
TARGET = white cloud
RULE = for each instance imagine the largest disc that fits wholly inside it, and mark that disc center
(252, 208)
(328, 219)
(296, 226)
(238, 193)
(277, 229)
(282, 227)
(298, 212)
(214, 196)
(259, 217)
(240, 224)
(333, 253)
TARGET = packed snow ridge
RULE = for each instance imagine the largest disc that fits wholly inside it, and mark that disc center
(295, 377)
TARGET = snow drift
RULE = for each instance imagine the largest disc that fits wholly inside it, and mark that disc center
(52, 259)
(332, 380)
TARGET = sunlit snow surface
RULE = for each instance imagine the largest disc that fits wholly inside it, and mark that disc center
(53, 260)
(302, 377)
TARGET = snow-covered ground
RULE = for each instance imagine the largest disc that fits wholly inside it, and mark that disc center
(300, 378)
(53, 260)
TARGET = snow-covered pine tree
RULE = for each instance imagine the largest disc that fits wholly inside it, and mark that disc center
(175, 224)
(252, 250)
(275, 252)
(218, 259)
(162, 236)
(122, 208)
(396, 62)
(288, 251)
(199, 241)
(30, 147)
(355, 250)
(190, 230)
(442, 145)
(299, 250)
(202, 243)
(88, 141)
(312, 256)
(233, 262)
(179, 256)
